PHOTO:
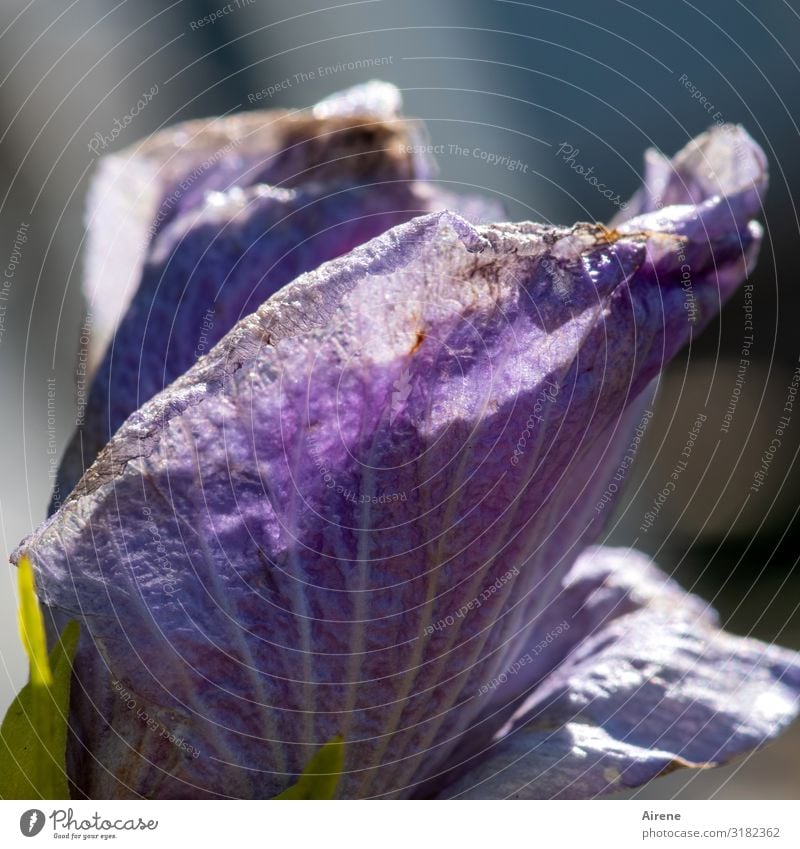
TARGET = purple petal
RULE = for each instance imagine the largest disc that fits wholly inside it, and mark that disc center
(270, 552)
(135, 191)
(194, 228)
(647, 692)
(716, 163)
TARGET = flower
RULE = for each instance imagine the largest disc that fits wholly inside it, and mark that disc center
(368, 513)
(198, 225)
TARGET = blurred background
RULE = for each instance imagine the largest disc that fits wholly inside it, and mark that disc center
(600, 80)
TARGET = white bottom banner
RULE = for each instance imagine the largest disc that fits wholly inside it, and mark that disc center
(398, 825)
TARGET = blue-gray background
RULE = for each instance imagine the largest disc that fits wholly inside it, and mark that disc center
(519, 79)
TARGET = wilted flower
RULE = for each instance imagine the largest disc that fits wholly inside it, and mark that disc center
(368, 512)
(194, 228)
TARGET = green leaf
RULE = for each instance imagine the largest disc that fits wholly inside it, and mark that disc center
(321, 777)
(33, 736)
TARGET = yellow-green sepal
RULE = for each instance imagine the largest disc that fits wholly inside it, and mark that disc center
(33, 735)
(320, 779)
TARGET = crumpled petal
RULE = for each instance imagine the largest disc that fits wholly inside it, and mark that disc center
(645, 693)
(136, 191)
(195, 227)
(708, 166)
(347, 516)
